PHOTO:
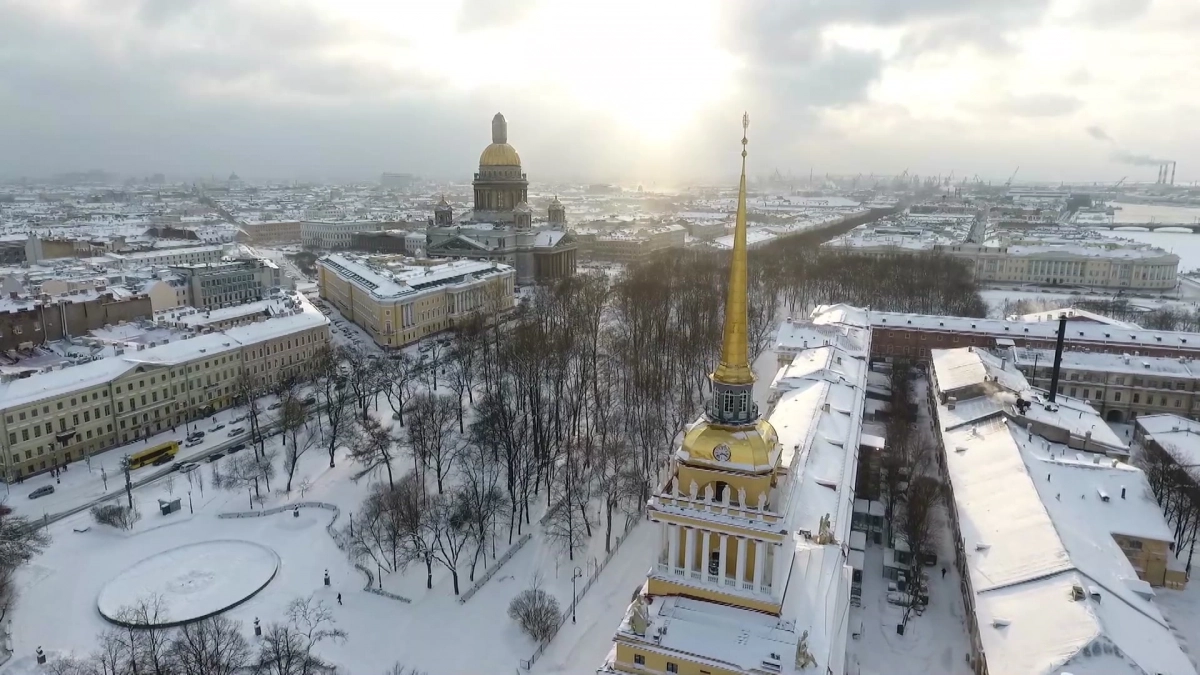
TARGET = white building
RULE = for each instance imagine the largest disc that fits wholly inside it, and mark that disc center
(333, 234)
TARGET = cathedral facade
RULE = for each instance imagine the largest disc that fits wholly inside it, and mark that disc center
(500, 226)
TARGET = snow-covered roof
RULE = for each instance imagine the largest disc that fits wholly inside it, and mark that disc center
(1034, 523)
(1172, 431)
(1075, 314)
(1177, 367)
(398, 281)
(1077, 331)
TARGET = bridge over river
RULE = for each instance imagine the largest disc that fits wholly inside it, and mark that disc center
(1194, 228)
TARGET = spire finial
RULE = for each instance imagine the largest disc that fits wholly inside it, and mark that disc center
(735, 351)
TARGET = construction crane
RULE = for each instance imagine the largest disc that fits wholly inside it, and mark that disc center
(1118, 184)
(1008, 183)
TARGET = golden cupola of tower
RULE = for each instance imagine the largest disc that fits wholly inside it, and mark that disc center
(731, 435)
(499, 153)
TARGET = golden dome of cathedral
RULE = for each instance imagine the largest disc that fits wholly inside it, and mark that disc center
(499, 154)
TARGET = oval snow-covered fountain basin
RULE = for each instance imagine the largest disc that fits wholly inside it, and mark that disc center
(187, 583)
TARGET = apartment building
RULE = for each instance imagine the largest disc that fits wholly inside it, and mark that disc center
(227, 283)
(626, 246)
(188, 255)
(334, 234)
(61, 416)
(1122, 387)
(265, 232)
(29, 321)
(1110, 266)
(398, 304)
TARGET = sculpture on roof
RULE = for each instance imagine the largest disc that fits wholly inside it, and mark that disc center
(804, 658)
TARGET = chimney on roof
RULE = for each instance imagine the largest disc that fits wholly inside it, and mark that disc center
(1058, 350)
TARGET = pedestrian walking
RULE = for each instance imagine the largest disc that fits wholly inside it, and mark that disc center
(943, 572)
(339, 598)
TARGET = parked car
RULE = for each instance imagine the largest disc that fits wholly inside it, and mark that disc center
(240, 418)
(165, 459)
(275, 406)
(195, 434)
(193, 442)
(42, 491)
(235, 431)
(215, 456)
(311, 400)
(237, 448)
(217, 428)
(188, 467)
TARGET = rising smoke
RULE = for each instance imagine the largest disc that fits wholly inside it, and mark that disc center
(1123, 156)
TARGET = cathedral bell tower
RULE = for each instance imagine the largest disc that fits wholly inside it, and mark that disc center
(443, 214)
(556, 213)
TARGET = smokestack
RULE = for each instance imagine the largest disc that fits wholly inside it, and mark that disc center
(1159, 180)
(1058, 347)
(1173, 173)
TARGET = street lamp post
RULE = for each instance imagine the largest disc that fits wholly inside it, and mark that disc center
(574, 598)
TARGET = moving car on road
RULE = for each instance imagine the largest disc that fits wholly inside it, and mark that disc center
(42, 491)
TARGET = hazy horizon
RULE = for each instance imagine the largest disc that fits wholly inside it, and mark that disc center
(624, 92)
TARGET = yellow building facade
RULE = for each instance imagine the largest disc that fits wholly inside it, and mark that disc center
(398, 303)
(55, 418)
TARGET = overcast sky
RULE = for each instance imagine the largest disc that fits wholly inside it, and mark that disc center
(609, 90)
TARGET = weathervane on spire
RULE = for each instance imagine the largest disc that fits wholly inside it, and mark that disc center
(745, 127)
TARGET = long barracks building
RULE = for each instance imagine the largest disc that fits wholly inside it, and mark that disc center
(913, 335)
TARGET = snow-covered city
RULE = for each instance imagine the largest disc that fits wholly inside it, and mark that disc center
(330, 368)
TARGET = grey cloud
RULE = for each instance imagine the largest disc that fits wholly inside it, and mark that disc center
(1041, 105)
(1126, 157)
(479, 14)
(1108, 12)
(1098, 134)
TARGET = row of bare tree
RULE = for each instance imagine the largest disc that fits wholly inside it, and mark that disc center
(1176, 485)
(141, 645)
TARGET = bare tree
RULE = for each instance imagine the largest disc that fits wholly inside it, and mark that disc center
(398, 374)
(337, 392)
(363, 375)
(431, 435)
(399, 669)
(288, 648)
(536, 611)
(374, 447)
(418, 528)
(567, 523)
(212, 646)
(149, 643)
(379, 534)
(116, 515)
(249, 391)
(919, 526)
(299, 437)
(450, 525)
(20, 541)
(479, 486)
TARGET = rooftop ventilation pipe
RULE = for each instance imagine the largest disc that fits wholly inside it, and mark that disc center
(1058, 349)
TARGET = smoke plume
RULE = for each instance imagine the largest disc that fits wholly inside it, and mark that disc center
(1126, 157)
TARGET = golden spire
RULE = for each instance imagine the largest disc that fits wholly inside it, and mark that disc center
(735, 351)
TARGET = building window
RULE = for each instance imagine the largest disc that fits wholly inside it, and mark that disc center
(672, 667)
(638, 659)
(1117, 396)
(1137, 398)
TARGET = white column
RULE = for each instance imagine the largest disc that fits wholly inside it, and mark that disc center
(704, 555)
(689, 556)
(724, 559)
(741, 562)
(760, 562)
(673, 546)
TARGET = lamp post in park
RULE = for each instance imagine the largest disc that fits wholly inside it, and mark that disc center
(574, 598)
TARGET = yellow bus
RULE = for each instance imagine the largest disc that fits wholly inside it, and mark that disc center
(151, 455)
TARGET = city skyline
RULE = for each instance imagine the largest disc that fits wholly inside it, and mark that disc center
(1066, 89)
